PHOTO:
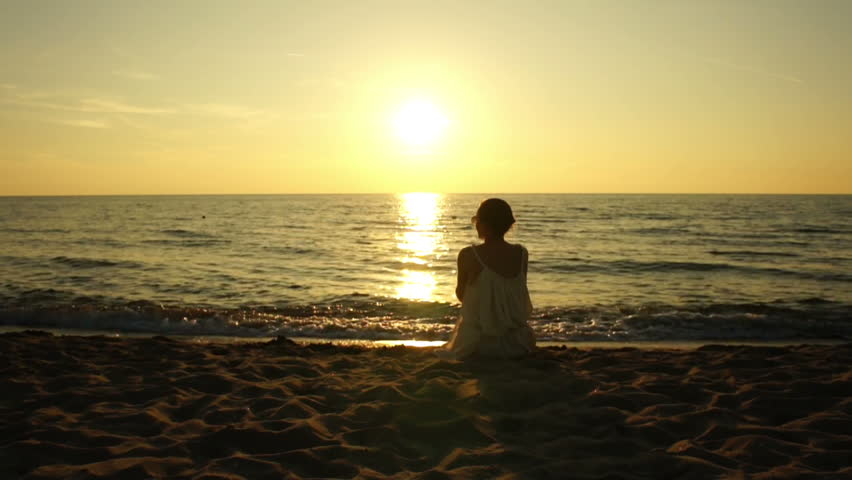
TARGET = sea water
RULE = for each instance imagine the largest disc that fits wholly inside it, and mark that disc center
(383, 267)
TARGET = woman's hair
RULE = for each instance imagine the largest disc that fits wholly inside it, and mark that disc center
(497, 214)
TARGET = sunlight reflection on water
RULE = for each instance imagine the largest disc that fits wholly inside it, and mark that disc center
(420, 240)
(410, 343)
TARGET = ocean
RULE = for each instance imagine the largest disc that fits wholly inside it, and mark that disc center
(603, 268)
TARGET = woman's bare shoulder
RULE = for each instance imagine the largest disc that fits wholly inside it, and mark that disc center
(466, 252)
(522, 251)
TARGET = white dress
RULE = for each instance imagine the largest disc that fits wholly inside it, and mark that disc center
(494, 314)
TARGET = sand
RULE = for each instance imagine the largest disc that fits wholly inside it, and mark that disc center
(99, 407)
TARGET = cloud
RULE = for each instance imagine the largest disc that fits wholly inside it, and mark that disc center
(103, 105)
(754, 70)
(223, 110)
(135, 75)
(53, 101)
(227, 111)
(82, 123)
(121, 111)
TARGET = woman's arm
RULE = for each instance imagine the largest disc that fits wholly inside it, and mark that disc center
(461, 267)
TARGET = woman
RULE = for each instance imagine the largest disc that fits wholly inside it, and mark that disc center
(492, 286)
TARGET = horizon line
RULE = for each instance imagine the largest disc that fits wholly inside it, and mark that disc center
(413, 191)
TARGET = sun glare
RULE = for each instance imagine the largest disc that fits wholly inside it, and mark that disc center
(421, 241)
(419, 124)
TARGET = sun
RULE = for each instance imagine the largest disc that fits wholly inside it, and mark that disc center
(419, 124)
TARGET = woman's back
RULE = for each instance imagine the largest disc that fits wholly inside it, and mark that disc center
(495, 308)
(505, 259)
(498, 302)
(492, 286)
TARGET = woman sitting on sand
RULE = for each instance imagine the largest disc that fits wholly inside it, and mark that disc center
(492, 286)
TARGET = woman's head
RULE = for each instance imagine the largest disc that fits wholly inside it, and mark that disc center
(493, 218)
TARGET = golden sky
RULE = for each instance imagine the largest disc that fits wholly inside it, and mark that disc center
(161, 97)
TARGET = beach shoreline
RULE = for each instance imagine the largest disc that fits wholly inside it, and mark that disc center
(155, 407)
(421, 343)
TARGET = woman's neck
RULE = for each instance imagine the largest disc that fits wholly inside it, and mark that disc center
(493, 240)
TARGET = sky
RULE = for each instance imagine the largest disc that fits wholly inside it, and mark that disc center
(191, 97)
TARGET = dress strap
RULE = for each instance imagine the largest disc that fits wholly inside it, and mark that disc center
(473, 247)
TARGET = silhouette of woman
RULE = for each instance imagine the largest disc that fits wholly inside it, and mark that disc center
(492, 286)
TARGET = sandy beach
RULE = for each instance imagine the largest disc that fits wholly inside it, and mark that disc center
(100, 407)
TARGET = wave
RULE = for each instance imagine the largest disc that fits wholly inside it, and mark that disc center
(186, 238)
(286, 249)
(77, 262)
(16, 260)
(189, 242)
(178, 232)
(33, 230)
(654, 216)
(662, 231)
(752, 253)
(101, 242)
(402, 265)
(630, 266)
(819, 230)
(373, 318)
(634, 267)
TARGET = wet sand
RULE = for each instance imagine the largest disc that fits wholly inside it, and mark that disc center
(101, 407)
